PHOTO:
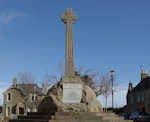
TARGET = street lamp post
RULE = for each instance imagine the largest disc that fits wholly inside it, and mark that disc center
(112, 81)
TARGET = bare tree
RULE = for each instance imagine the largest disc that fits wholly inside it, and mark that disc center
(26, 77)
(106, 87)
(90, 78)
(49, 79)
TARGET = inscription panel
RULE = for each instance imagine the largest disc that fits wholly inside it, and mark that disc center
(72, 93)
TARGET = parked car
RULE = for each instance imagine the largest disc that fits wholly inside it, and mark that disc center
(134, 115)
(139, 117)
(142, 118)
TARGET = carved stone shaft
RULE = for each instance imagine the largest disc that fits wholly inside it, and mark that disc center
(69, 18)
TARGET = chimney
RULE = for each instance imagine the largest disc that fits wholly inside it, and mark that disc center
(130, 86)
(15, 82)
(44, 88)
(143, 74)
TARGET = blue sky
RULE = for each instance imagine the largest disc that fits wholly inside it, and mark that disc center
(109, 34)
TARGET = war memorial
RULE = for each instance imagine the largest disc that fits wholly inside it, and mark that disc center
(70, 100)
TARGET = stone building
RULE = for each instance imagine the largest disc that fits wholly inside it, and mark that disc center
(0, 117)
(21, 98)
(0, 113)
(138, 97)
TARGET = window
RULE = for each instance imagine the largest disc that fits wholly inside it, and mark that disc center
(138, 97)
(8, 97)
(131, 99)
(142, 96)
(21, 110)
(34, 97)
(14, 109)
(8, 110)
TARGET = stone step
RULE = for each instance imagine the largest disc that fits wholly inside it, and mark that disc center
(106, 114)
(77, 117)
(77, 120)
(111, 117)
(116, 119)
(71, 117)
(28, 120)
(74, 113)
(46, 117)
(113, 120)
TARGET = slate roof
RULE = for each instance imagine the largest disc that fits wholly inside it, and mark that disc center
(27, 88)
(143, 85)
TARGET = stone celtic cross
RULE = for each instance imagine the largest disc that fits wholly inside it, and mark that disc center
(69, 18)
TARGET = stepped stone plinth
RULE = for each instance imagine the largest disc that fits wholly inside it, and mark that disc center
(71, 117)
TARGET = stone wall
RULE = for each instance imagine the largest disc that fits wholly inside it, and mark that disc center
(138, 100)
(15, 98)
(19, 103)
(0, 117)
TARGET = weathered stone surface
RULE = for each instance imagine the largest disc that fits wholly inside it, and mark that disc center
(92, 103)
(88, 102)
(69, 18)
(72, 92)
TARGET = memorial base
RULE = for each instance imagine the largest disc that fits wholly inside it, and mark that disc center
(70, 95)
(72, 89)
